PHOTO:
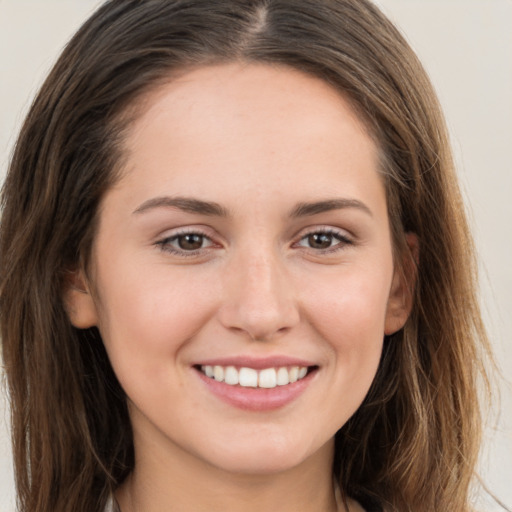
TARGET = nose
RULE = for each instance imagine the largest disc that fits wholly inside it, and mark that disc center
(259, 298)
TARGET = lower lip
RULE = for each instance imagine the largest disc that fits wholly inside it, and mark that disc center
(257, 399)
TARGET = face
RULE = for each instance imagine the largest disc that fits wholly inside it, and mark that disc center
(242, 275)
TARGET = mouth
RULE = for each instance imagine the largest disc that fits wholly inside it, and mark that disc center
(257, 384)
(264, 378)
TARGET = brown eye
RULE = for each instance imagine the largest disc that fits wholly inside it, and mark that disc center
(185, 244)
(190, 241)
(326, 240)
(320, 240)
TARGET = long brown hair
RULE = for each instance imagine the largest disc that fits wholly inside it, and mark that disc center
(413, 443)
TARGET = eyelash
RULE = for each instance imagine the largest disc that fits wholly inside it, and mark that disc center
(165, 244)
(343, 240)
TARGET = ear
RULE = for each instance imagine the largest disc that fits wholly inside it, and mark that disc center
(401, 294)
(78, 301)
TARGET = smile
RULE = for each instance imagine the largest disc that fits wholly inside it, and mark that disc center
(251, 378)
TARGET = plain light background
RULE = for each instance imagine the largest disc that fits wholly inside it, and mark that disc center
(466, 46)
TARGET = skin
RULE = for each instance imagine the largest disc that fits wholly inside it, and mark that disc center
(258, 141)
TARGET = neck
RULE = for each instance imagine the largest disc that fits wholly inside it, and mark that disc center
(163, 483)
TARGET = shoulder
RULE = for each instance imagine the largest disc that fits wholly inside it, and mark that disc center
(355, 506)
(111, 505)
(365, 504)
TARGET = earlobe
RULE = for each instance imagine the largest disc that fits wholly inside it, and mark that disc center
(78, 301)
(401, 295)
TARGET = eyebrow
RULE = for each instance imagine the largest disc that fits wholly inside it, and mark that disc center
(211, 208)
(186, 204)
(316, 207)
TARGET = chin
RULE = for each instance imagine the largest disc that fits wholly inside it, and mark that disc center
(258, 465)
(269, 456)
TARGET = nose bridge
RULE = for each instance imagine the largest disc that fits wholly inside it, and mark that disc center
(259, 297)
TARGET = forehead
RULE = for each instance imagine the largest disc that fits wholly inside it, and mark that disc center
(257, 94)
(252, 126)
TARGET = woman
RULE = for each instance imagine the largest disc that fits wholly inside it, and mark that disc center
(236, 269)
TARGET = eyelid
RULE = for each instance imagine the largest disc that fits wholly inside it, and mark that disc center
(342, 235)
(325, 228)
(163, 242)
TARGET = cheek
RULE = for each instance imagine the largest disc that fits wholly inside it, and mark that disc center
(349, 316)
(349, 313)
(351, 304)
(147, 317)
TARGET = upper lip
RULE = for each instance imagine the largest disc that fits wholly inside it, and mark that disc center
(258, 363)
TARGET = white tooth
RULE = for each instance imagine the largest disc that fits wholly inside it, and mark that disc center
(248, 378)
(294, 374)
(208, 370)
(231, 376)
(268, 378)
(282, 376)
(303, 371)
(218, 373)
